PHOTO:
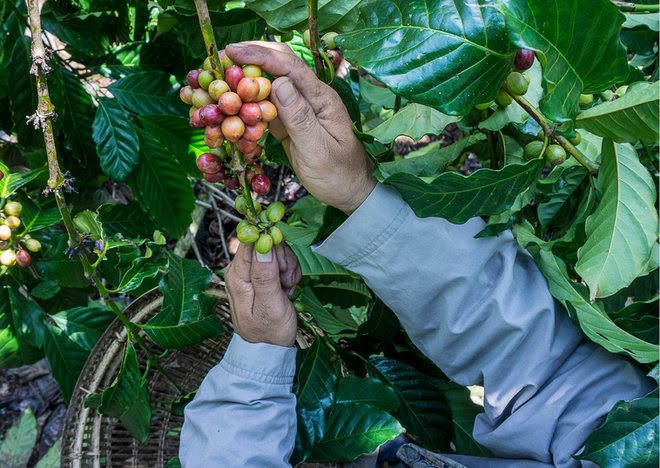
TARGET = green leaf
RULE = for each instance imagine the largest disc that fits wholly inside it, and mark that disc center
(559, 193)
(628, 437)
(36, 217)
(185, 335)
(87, 222)
(52, 457)
(116, 139)
(337, 326)
(27, 317)
(562, 36)
(12, 181)
(237, 25)
(63, 270)
(591, 317)
(424, 411)
(415, 121)
(622, 231)
(312, 264)
(632, 117)
(640, 319)
(285, 15)
(649, 20)
(23, 97)
(458, 198)
(367, 391)
(354, 429)
(164, 187)
(148, 92)
(47, 289)
(16, 448)
(141, 268)
(440, 53)
(127, 399)
(129, 220)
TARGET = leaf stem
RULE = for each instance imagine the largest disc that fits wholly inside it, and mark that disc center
(549, 130)
(313, 14)
(631, 7)
(209, 38)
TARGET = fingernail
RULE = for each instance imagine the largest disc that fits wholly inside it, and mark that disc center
(265, 258)
(286, 93)
(236, 46)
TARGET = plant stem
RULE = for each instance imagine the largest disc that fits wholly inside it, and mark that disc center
(313, 14)
(209, 38)
(549, 130)
(631, 7)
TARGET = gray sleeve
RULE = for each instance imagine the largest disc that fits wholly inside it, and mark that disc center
(244, 413)
(481, 310)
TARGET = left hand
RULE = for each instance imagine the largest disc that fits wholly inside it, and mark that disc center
(259, 288)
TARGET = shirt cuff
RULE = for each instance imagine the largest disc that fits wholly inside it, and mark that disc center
(380, 215)
(262, 362)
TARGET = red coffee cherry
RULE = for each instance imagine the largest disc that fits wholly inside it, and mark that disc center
(250, 113)
(233, 75)
(232, 183)
(248, 89)
(211, 115)
(213, 136)
(268, 111)
(230, 103)
(260, 184)
(23, 258)
(192, 77)
(215, 178)
(233, 128)
(196, 120)
(524, 59)
(209, 163)
(246, 146)
(253, 132)
(254, 170)
(335, 58)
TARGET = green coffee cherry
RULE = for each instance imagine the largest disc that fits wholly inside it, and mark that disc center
(621, 90)
(483, 105)
(299, 306)
(33, 245)
(516, 83)
(586, 100)
(607, 95)
(13, 208)
(306, 38)
(503, 99)
(329, 39)
(205, 78)
(576, 139)
(263, 218)
(247, 234)
(555, 155)
(264, 244)
(532, 150)
(275, 211)
(241, 205)
(276, 234)
(207, 64)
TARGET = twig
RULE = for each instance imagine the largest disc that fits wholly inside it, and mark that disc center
(209, 39)
(279, 183)
(230, 216)
(217, 191)
(221, 230)
(312, 15)
(201, 203)
(630, 7)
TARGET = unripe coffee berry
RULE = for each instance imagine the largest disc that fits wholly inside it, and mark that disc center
(248, 234)
(186, 94)
(192, 77)
(275, 211)
(250, 113)
(555, 155)
(252, 71)
(260, 184)
(307, 38)
(533, 150)
(209, 163)
(264, 88)
(201, 98)
(503, 99)
(217, 88)
(483, 105)
(33, 245)
(204, 79)
(268, 111)
(207, 65)
(12, 222)
(329, 39)
(248, 89)
(13, 208)
(516, 83)
(225, 61)
(253, 132)
(586, 99)
(299, 306)
(233, 75)
(23, 258)
(7, 258)
(233, 128)
(241, 205)
(276, 235)
(524, 59)
(576, 139)
(264, 244)
(230, 103)
(5, 232)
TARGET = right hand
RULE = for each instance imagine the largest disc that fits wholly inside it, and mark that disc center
(314, 126)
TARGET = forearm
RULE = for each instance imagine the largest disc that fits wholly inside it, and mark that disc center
(480, 309)
(244, 412)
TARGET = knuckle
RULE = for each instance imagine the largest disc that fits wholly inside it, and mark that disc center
(261, 279)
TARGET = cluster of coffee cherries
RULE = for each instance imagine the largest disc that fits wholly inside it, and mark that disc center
(329, 47)
(14, 248)
(554, 154)
(235, 113)
(516, 83)
(259, 227)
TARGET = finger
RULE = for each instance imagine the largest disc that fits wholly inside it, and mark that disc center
(242, 262)
(288, 275)
(265, 277)
(294, 111)
(277, 129)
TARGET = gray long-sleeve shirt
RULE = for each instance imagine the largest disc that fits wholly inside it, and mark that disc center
(478, 308)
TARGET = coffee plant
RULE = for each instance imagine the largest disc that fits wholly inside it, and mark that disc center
(134, 153)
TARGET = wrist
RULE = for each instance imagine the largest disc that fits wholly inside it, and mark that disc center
(361, 191)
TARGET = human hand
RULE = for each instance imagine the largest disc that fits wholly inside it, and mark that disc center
(259, 287)
(314, 126)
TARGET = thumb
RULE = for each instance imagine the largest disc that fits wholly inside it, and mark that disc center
(293, 110)
(265, 276)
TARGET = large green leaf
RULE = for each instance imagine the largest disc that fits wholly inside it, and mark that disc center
(445, 54)
(163, 186)
(36, 217)
(129, 220)
(181, 336)
(284, 15)
(127, 398)
(415, 121)
(12, 181)
(15, 350)
(423, 409)
(16, 448)
(632, 117)
(312, 264)
(628, 437)
(335, 325)
(559, 193)
(368, 391)
(561, 32)
(640, 319)
(459, 198)
(149, 92)
(62, 269)
(593, 320)
(623, 229)
(236, 25)
(354, 429)
(116, 139)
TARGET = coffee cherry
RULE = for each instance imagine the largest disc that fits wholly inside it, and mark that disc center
(242, 223)
(4, 244)
(218, 177)
(233, 128)
(252, 156)
(225, 61)
(217, 88)
(555, 155)
(246, 146)
(268, 111)
(299, 306)
(335, 58)
(524, 59)
(260, 184)
(209, 163)
(195, 119)
(230, 103)
(503, 99)
(248, 234)
(307, 38)
(586, 100)
(192, 77)
(275, 211)
(250, 113)
(207, 65)
(252, 71)
(232, 183)
(241, 205)
(12, 222)
(576, 139)
(213, 136)
(329, 39)
(264, 244)
(5, 232)
(253, 170)
(233, 75)
(248, 89)
(33, 245)
(264, 88)
(483, 105)
(607, 95)
(204, 79)
(516, 83)
(533, 150)
(201, 98)
(263, 218)
(253, 132)
(621, 90)
(7, 258)
(276, 234)
(210, 114)
(13, 208)
(186, 94)
(23, 258)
